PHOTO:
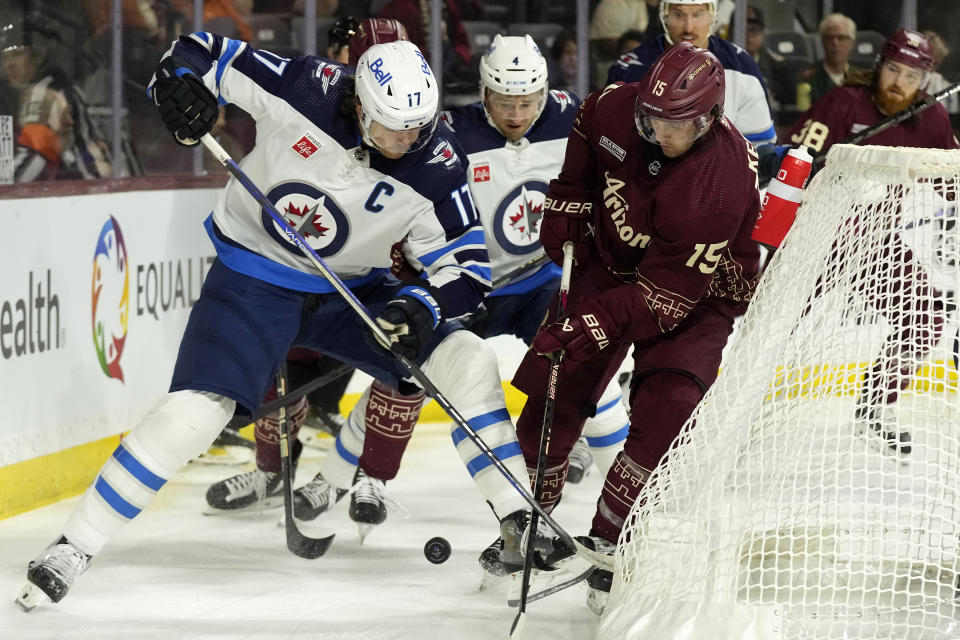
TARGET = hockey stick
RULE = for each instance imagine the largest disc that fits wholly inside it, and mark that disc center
(288, 399)
(601, 560)
(523, 269)
(298, 543)
(894, 119)
(519, 622)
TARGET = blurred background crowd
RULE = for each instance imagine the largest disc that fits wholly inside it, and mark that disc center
(78, 108)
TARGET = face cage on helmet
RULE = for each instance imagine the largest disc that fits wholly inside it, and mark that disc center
(426, 131)
(644, 124)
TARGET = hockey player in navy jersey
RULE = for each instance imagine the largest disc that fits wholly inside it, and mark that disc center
(514, 139)
(691, 21)
(354, 164)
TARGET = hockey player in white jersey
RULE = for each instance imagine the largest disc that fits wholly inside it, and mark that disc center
(349, 163)
(515, 139)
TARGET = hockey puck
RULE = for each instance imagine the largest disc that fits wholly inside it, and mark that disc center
(437, 550)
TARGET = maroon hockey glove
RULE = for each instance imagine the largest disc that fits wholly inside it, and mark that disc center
(585, 331)
(557, 229)
(399, 267)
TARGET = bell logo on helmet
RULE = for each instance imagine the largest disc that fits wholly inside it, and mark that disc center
(383, 77)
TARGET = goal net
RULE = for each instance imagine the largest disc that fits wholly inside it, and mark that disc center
(815, 492)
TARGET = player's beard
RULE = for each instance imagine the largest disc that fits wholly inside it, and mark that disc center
(890, 102)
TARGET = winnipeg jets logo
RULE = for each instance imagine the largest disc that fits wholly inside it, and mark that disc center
(516, 222)
(444, 153)
(628, 60)
(563, 99)
(329, 74)
(312, 213)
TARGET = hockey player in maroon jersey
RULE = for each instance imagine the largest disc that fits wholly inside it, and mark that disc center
(660, 207)
(890, 87)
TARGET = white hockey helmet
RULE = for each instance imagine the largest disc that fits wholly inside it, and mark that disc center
(665, 9)
(397, 89)
(513, 65)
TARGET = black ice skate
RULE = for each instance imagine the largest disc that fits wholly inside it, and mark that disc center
(580, 462)
(368, 503)
(51, 574)
(253, 490)
(315, 497)
(881, 423)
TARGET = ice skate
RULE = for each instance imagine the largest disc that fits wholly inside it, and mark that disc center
(245, 492)
(325, 421)
(882, 426)
(368, 503)
(51, 574)
(490, 563)
(580, 462)
(315, 497)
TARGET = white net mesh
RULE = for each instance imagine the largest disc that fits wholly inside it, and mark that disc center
(815, 492)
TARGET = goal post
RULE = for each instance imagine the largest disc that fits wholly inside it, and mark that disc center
(815, 491)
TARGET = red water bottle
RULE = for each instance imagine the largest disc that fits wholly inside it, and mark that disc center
(780, 203)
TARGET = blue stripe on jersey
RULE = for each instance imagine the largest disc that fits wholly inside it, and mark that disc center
(546, 273)
(346, 455)
(609, 405)
(479, 422)
(482, 271)
(474, 236)
(502, 452)
(113, 498)
(146, 477)
(256, 266)
(762, 136)
(230, 49)
(611, 438)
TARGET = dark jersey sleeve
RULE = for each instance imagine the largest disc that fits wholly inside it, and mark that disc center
(823, 124)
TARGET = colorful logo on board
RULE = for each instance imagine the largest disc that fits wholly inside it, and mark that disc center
(110, 298)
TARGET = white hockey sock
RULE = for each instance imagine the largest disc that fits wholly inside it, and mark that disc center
(341, 462)
(606, 432)
(179, 427)
(464, 368)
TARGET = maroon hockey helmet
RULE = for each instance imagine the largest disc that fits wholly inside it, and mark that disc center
(374, 31)
(909, 47)
(685, 83)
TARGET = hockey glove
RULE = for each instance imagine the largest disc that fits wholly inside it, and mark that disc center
(583, 333)
(558, 229)
(186, 106)
(409, 321)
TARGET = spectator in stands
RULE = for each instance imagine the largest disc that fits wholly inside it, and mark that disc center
(838, 33)
(781, 87)
(56, 139)
(562, 62)
(935, 80)
(612, 18)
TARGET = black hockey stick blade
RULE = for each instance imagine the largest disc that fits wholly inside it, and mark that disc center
(305, 547)
(298, 543)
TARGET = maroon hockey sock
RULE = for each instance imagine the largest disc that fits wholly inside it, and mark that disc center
(620, 490)
(389, 421)
(267, 433)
